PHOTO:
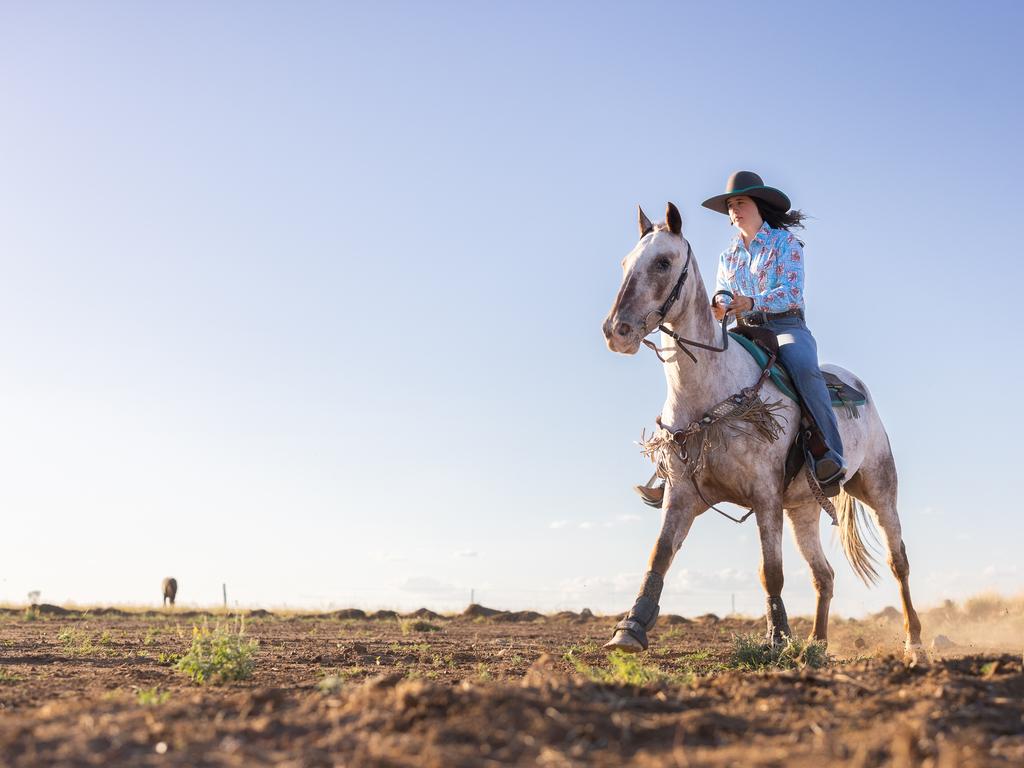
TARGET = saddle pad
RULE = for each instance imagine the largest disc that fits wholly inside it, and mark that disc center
(843, 395)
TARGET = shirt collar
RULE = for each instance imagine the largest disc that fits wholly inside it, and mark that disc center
(762, 234)
(759, 239)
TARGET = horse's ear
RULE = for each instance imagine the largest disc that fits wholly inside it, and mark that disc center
(673, 219)
(645, 223)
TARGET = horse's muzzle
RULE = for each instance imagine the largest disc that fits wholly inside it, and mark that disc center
(621, 336)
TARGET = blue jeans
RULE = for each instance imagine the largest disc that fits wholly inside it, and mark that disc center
(798, 352)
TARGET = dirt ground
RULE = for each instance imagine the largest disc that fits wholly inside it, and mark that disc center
(100, 688)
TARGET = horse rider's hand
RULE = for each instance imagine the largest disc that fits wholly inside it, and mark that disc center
(741, 303)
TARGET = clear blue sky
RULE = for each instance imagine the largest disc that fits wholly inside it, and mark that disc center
(307, 298)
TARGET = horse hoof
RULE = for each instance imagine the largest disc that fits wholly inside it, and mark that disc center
(623, 641)
(915, 656)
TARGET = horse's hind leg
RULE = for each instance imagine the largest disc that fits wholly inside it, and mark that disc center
(876, 487)
(804, 520)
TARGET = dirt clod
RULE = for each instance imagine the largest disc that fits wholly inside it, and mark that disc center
(475, 610)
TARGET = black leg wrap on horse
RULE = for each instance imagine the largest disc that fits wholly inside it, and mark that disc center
(652, 585)
(777, 619)
(644, 613)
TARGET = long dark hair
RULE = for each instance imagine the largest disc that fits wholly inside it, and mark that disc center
(777, 219)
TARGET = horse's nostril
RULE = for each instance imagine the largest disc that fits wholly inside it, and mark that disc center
(623, 329)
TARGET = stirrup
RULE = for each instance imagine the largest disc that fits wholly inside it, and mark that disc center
(652, 494)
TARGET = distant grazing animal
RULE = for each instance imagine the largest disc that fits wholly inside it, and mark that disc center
(170, 590)
(744, 469)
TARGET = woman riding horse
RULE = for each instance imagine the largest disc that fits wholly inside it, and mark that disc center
(726, 430)
(762, 271)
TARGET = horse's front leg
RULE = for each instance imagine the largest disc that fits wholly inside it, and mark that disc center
(678, 514)
(769, 525)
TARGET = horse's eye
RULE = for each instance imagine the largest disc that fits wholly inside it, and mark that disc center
(663, 265)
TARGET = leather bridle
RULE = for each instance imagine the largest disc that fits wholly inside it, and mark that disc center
(662, 313)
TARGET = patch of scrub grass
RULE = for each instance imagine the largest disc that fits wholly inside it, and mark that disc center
(672, 633)
(219, 655)
(753, 653)
(168, 659)
(9, 677)
(77, 642)
(151, 697)
(408, 626)
(627, 669)
(446, 660)
(577, 648)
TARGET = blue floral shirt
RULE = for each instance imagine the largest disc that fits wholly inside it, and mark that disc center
(771, 271)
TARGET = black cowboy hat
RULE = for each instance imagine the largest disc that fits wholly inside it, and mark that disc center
(750, 184)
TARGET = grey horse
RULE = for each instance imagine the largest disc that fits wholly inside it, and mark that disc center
(747, 470)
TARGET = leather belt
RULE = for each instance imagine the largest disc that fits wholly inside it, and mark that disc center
(760, 318)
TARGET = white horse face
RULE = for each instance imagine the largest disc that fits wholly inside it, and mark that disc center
(649, 273)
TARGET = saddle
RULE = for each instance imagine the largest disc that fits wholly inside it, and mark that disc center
(760, 342)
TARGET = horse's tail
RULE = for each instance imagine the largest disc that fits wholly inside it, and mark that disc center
(853, 522)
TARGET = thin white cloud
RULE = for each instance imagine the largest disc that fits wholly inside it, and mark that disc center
(558, 524)
(426, 585)
(628, 518)
(587, 525)
(467, 553)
